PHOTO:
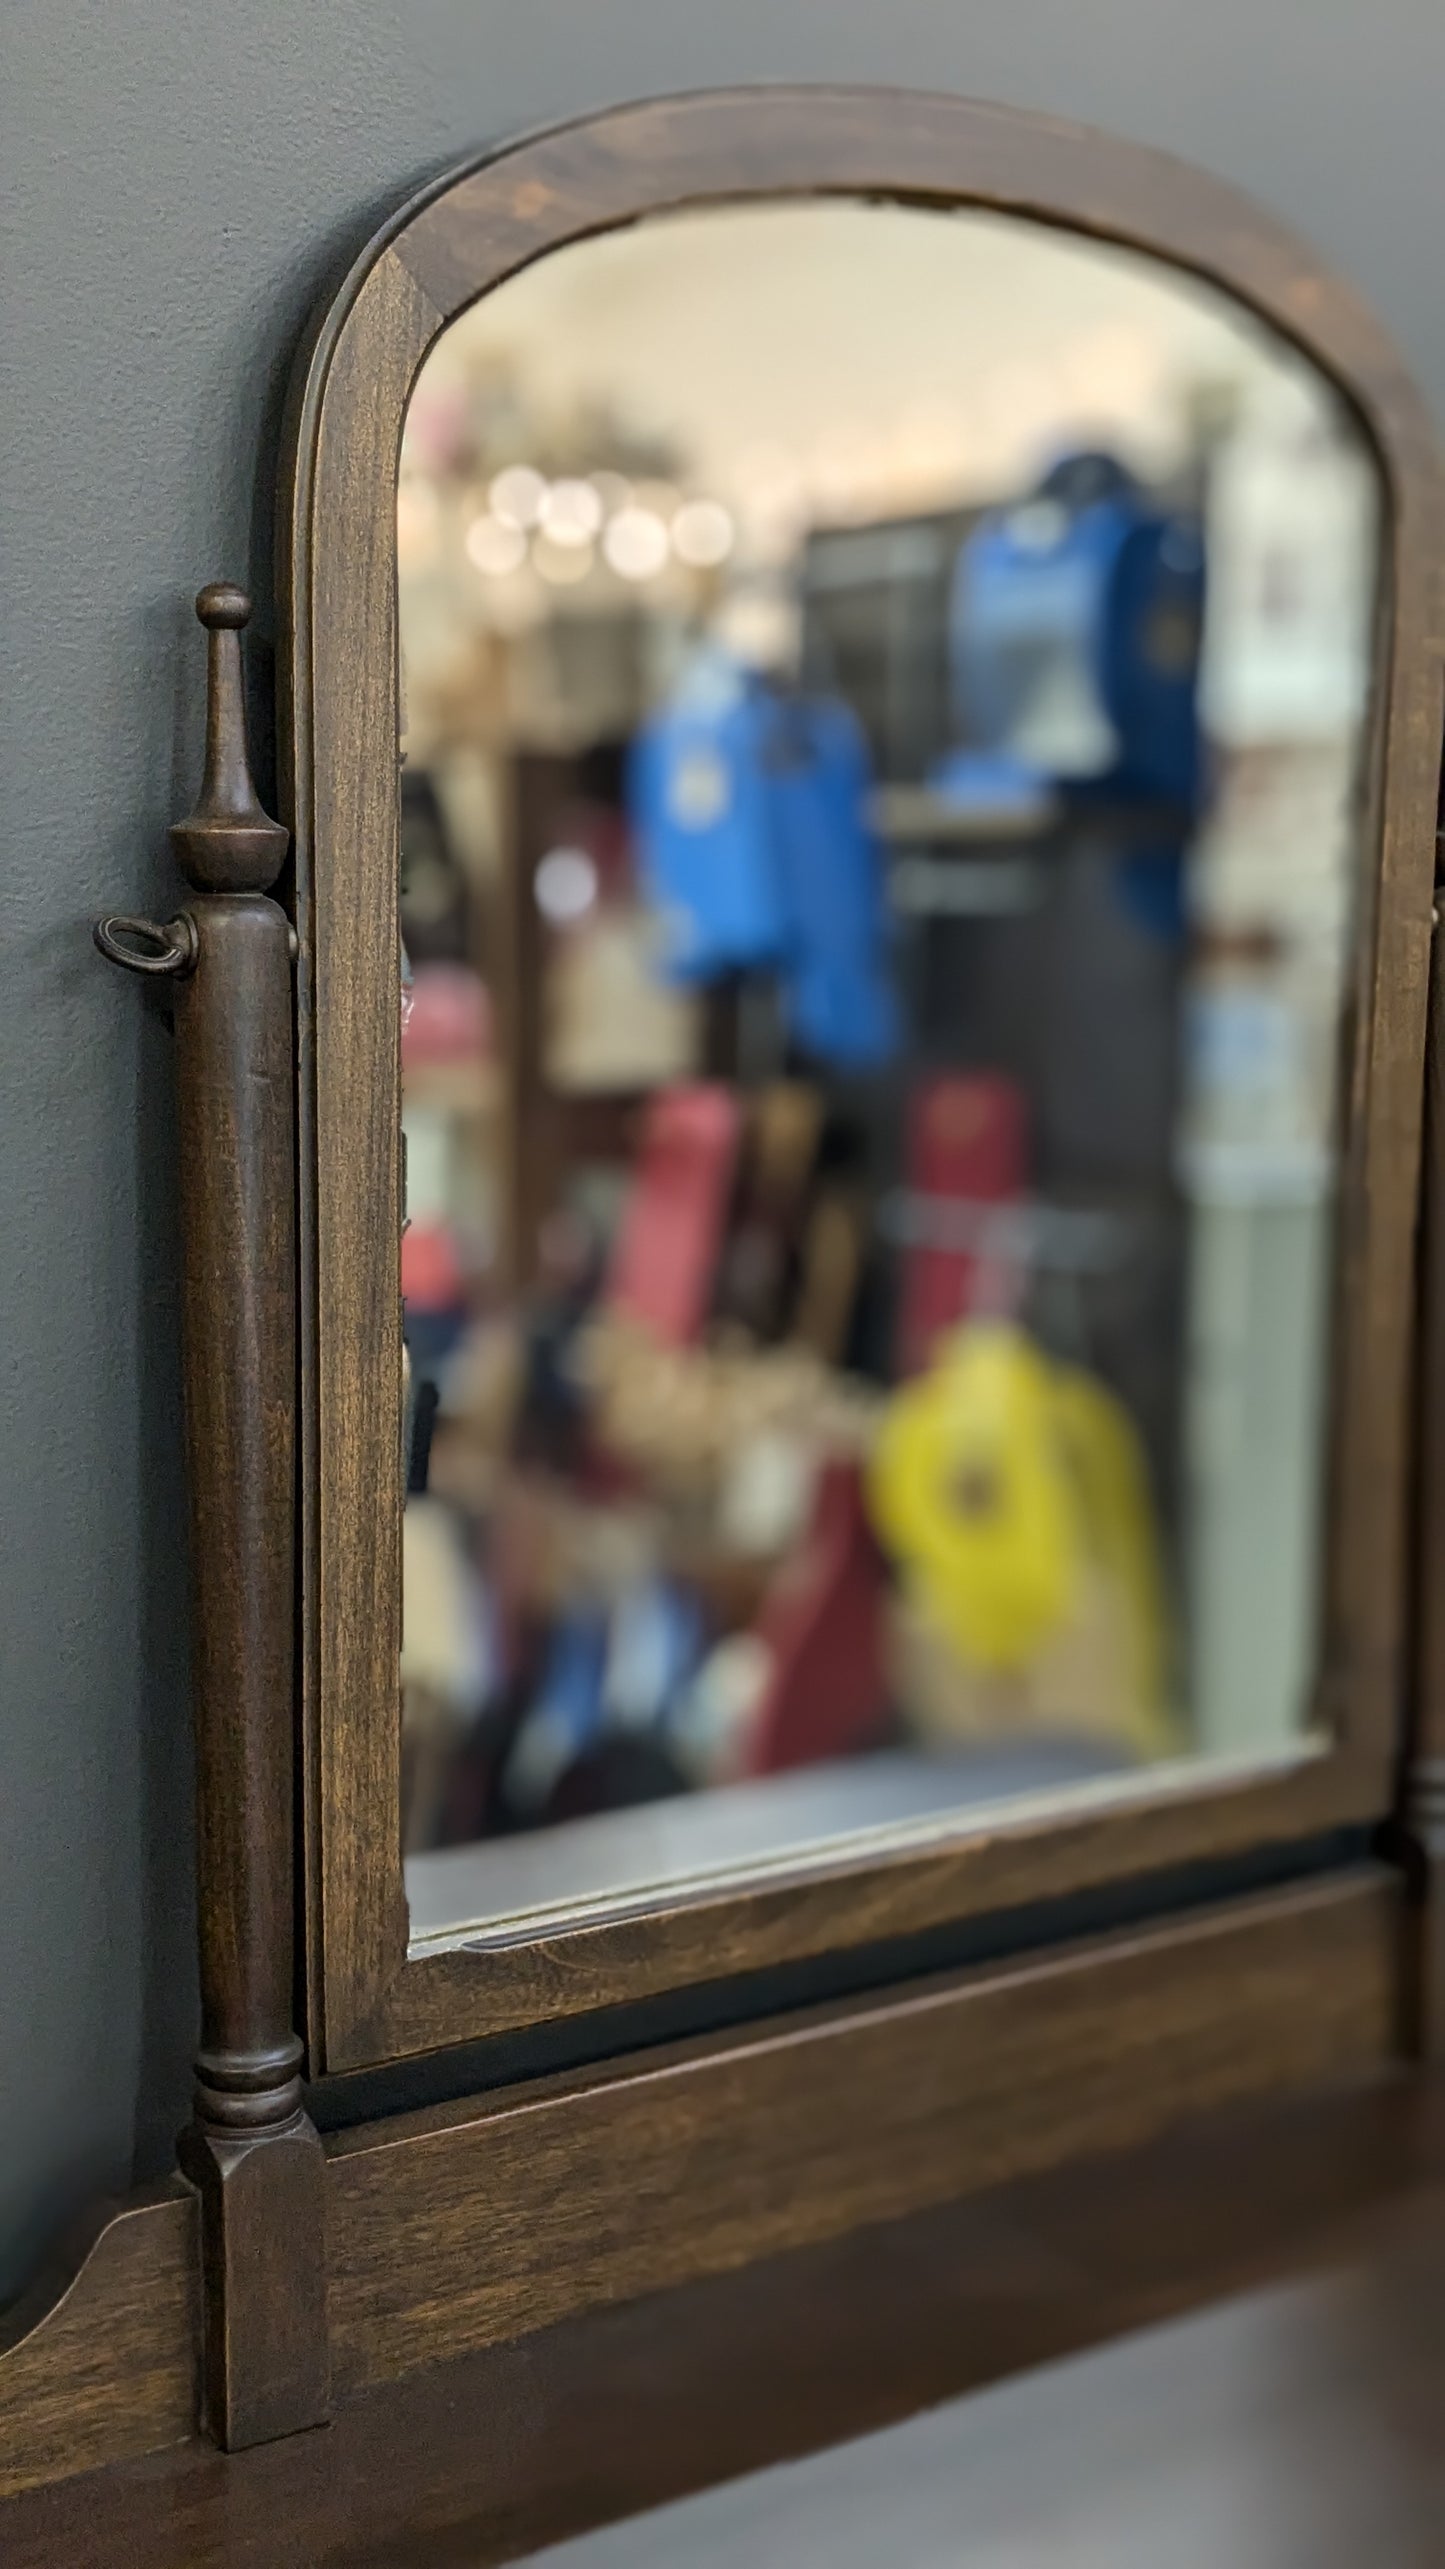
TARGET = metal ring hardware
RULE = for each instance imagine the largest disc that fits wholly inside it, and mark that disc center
(173, 947)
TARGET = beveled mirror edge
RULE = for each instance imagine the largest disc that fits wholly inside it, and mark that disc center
(463, 235)
(854, 1851)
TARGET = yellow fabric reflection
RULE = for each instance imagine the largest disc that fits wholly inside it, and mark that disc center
(1014, 1495)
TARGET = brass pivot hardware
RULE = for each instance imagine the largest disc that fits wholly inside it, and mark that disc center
(138, 945)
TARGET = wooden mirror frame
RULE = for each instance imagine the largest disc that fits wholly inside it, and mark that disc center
(1192, 1942)
(367, 2000)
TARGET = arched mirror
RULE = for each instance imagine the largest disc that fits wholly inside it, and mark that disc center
(885, 697)
(902, 929)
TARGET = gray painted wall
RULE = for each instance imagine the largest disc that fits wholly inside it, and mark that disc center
(180, 182)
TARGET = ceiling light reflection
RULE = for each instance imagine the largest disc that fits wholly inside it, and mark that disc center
(493, 547)
(635, 543)
(517, 494)
(702, 534)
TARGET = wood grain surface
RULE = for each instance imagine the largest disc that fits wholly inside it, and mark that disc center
(476, 2224)
(1294, 2423)
(110, 2369)
(458, 2228)
(250, 2150)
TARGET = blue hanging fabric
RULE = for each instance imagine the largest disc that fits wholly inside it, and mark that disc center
(751, 815)
(1074, 634)
(700, 799)
(1075, 622)
(839, 996)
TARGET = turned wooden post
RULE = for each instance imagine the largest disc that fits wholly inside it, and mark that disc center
(251, 2150)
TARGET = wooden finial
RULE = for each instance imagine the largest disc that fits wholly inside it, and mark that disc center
(228, 843)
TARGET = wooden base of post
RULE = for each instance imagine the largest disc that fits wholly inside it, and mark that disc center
(265, 2370)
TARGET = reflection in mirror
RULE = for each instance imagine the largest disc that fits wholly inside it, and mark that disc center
(884, 697)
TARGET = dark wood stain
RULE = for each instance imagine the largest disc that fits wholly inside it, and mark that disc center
(366, 2001)
(341, 540)
(466, 2225)
(110, 2369)
(250, 2150)
(1323, 2222)
(470, 2226)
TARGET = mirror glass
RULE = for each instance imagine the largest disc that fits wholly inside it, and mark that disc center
(883, 697)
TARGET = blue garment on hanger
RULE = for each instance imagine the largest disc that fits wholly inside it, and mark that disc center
(750, 811)
(1075, 620)
(838, 993)
(700, 799)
